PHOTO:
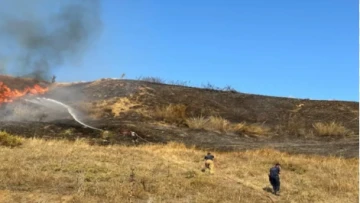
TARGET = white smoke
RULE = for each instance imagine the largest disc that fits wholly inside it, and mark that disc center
(46, 102)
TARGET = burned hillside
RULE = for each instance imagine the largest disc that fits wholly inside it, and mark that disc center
(121, 106)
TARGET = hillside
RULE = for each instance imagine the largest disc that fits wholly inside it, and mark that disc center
(56, 159)
(160, 113)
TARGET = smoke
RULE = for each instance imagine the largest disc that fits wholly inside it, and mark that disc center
(50, 102)
(38, 36)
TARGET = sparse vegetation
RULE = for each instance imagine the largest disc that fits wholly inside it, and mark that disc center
(63, 171)
(9, 140)
(331, 129)
(179, 83)
(108, 135)
(152, 79)
(294, 126)
(228, 88)
(68, 132)
(210, 86)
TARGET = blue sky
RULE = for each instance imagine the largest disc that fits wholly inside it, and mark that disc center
(303, 49)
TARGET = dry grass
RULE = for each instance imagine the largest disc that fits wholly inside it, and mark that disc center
(293, 125)
(212, 123)
(122, 105)
(114, 106)
(331, 129)
(152, 79)
(216, 123)
(9, 140)
(173, 113)
(252, 129)
(197, 122)
(61, 171)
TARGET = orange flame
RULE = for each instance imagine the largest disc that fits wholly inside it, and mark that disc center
(8, 95)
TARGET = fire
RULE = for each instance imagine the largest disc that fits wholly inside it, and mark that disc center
(9, 95)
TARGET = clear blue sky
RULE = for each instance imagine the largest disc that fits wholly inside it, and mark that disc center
(304, 49)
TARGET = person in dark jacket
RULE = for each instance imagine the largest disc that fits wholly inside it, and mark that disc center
(209, 163)
(274, 178)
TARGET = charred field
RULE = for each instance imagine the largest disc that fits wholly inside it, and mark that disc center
(162, 113)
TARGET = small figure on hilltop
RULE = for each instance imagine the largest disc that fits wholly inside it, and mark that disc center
(274, 178)
(53, 79)
(209, 163)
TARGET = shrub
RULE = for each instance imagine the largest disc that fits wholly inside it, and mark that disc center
(9, 140)
(331, 129)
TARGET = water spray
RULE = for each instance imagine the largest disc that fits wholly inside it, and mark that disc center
(40, 101)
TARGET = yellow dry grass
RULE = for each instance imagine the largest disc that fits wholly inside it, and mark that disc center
(331, 129)
(253, 128)
(172, 113)
(212, 123)
(62, 171)
(217, 123)
(115, 105)
(9, 140)
(122, 105)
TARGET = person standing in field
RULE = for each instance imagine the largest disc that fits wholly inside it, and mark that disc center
(274, 178)
(209, 162)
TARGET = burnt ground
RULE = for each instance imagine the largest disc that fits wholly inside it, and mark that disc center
(21, 83)
(290, 120)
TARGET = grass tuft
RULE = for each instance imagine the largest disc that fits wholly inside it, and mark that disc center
(253, 128)
(331, 129)
(217, 123)
(8, 140)
(212, 123)
(173, 113)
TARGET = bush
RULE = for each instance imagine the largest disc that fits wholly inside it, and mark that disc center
(331, 129)
(9, 140)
